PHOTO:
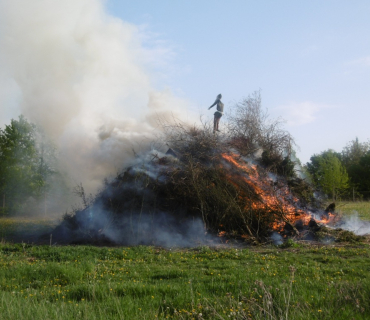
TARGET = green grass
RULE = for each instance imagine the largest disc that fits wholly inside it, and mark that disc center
(349, 208)
(85, 282)
(18, 229)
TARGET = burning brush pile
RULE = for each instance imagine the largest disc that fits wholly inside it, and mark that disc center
(206, 189)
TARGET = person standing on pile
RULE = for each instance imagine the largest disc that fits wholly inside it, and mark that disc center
(218, 114)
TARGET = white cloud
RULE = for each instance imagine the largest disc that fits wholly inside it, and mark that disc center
(301, 113)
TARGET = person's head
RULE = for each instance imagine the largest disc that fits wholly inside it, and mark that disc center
(219, 96)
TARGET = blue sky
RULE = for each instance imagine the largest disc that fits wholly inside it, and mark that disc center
(310, 59)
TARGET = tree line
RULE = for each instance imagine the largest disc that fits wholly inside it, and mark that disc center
(342, 175)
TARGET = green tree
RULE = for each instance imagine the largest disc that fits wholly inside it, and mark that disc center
(353, 152)
(355, 158)
(23, 170)
(359, 174)
(328, 173)
(313, 167)
(364, 165)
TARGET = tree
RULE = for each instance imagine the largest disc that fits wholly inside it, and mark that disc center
(353, 152)
(23, 169)
(328, 173)
(359, 174)
(355, 158)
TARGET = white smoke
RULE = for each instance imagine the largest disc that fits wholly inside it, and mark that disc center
(354, 223)
(277, 239)
(81, 74)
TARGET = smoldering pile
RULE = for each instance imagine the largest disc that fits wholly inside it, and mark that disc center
(202, 191)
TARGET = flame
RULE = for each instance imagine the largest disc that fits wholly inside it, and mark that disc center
(272, 198)
(328, 219)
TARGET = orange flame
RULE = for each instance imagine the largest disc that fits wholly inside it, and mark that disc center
(274, 199)
(221, 233)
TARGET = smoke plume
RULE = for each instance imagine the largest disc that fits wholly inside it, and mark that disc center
(355, 224)
(81, 75)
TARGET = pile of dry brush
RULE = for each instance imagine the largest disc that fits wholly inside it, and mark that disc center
(193, 182)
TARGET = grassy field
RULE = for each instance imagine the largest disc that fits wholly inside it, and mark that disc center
(83, 282)
(19, 229)
(362, 208)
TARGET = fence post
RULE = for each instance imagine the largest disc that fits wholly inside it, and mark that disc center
(353, 193)
(45, 212)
